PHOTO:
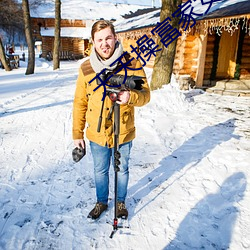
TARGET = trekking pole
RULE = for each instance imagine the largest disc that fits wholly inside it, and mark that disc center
(117, 156)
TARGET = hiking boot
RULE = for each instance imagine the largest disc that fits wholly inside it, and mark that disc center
(122, 211)
(97, 210)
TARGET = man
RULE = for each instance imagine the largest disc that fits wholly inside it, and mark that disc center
(87, 106)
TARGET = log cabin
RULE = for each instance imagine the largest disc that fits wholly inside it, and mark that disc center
(214, 51)
(77, 17)
(75, 36)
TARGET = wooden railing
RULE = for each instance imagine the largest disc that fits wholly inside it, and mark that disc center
(64, 55)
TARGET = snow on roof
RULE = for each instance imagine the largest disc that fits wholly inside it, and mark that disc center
(235, 8)
(80, 32)
(151, 19)
(145, 20)
(216, 5)
(85, 10)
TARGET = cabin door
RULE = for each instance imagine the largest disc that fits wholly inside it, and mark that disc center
(227, 55)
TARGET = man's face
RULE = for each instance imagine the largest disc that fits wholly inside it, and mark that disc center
(104, 42)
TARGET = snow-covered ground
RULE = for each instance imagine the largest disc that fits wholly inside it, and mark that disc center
(189, 170)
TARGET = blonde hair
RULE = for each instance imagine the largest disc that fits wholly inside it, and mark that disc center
(100, 25)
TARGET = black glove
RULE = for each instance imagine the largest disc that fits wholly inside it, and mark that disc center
(78, 153)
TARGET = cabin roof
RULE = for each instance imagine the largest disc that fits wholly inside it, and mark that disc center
(223, 8)
(85, 10)
(77, 32)
(137, 22)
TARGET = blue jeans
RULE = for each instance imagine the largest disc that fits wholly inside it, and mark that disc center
(102, 158)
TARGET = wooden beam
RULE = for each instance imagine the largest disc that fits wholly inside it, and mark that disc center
(201, 60)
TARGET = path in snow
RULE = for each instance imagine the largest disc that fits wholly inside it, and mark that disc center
(189, 172)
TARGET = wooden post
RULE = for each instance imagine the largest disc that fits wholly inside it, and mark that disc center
(201, 60)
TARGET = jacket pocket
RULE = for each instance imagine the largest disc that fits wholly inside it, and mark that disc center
(126, 119)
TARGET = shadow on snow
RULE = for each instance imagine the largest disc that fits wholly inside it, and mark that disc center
(209, 225)
(190, 153)
(23, 110)
(215, 221)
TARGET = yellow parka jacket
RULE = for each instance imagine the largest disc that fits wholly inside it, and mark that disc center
(87, 106)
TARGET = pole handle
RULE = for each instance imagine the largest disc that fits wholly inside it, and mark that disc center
(99, 124)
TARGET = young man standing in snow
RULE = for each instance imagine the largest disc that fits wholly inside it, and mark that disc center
(87, 106)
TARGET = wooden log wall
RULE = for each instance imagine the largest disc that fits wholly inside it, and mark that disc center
(66, 44)
(186, 57)
(130, 38)
(47, 45)
(179, 52)
(79, 46)
(50, 22)
(190, 57)
(209, 57)
(245, 61)
(73, 45)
